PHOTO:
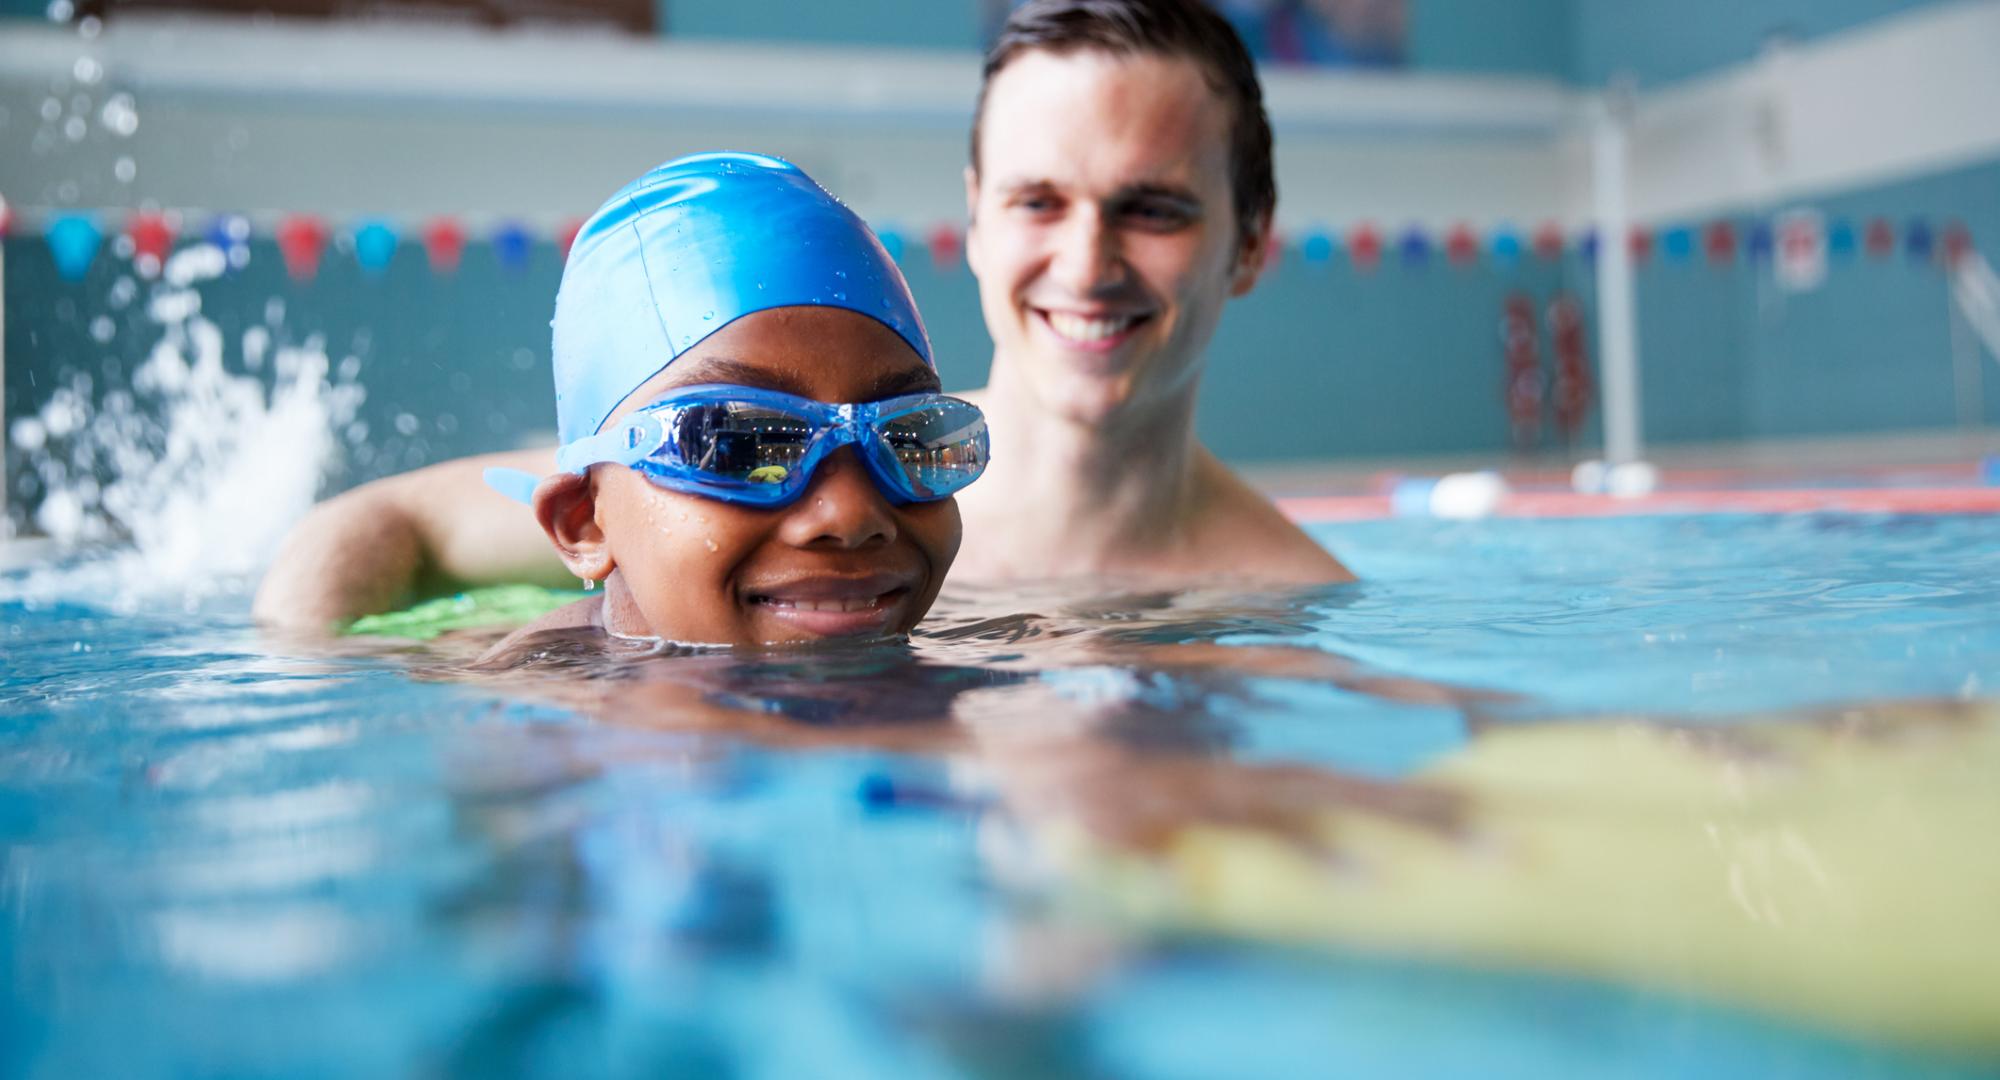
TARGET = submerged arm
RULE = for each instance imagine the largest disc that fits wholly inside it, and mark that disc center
(404, 538)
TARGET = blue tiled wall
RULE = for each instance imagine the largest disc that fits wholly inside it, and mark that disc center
(1319, 362)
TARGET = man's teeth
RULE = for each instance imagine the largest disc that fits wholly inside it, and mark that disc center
(856, 604)
(1078, 328)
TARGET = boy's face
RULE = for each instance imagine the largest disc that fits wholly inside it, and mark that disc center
(841, 561)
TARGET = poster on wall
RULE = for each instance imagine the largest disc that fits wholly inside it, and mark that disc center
(1309, 33)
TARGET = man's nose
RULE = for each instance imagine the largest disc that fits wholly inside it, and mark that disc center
(1088, 255)
(841, 507)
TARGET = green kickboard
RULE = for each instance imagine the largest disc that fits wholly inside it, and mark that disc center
(495, 605)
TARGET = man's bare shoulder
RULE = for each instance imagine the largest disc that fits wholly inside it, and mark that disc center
(1244, 531)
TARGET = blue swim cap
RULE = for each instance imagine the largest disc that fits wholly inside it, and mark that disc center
(692, 246)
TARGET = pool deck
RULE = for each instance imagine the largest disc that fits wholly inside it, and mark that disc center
(1902, 473)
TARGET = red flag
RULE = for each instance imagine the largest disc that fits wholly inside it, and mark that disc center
(1460, 245)
(1956, 243)
(444, 243)
(945, 246)
(152, 237)
(1640, 244)
(1364, 247)
(566, 236)
(1548, 242)
(302, 240)
(1719, 240)
(1274, 249)
(1880, 239)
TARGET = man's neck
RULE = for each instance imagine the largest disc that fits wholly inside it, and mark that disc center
(1076, 496)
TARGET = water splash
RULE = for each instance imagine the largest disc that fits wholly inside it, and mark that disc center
(182, 484)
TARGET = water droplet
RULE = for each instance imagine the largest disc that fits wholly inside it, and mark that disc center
(74, 129)
(710, 541)
(60, 10)
(51, 108)
(87, 70)
(840, 273)
(839, 297)
(89, 26)
(406, 424)
(120, 115)
(102, 329)
(707, 315)
(125, 169)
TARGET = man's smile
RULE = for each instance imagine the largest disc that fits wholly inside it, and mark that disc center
(1095, 331)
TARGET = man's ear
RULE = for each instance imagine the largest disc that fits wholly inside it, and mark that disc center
(566, 506)
(1251, 253)
(971, 218)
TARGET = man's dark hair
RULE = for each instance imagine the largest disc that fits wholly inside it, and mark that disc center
(1180, 28)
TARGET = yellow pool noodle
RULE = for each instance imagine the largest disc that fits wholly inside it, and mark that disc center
(1843, 874)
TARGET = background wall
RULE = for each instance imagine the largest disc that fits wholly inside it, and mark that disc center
(1323, 361)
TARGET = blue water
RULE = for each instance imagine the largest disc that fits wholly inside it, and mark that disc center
(223, 854)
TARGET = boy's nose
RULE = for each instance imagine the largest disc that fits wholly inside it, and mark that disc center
(841, 508)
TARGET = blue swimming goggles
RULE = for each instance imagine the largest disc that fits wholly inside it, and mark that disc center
(760, 448)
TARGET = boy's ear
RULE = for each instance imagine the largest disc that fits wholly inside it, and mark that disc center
(566, 505)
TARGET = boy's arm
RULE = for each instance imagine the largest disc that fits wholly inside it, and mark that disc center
(401, 539)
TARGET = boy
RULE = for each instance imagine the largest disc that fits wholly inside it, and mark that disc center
(754, 450)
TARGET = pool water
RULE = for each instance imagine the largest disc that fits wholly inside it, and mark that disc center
(225, 853)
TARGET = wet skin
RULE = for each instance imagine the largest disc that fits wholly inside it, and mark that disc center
(1104, 230)
(842, 561)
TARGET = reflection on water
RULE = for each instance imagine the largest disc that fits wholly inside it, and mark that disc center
(1399, 825)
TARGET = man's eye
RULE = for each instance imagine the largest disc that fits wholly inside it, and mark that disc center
(1156, 214)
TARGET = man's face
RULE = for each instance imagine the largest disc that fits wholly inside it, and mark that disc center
(1104, 235)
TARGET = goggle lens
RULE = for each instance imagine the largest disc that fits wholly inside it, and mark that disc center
(740, 443)
(921, 448)
(939, 447)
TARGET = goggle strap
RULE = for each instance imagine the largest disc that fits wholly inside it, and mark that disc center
(516, 484)
(636, 438)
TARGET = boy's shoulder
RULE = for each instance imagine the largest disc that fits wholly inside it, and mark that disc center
(586, 613)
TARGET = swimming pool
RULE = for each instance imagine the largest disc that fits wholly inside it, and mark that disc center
(226, 853)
